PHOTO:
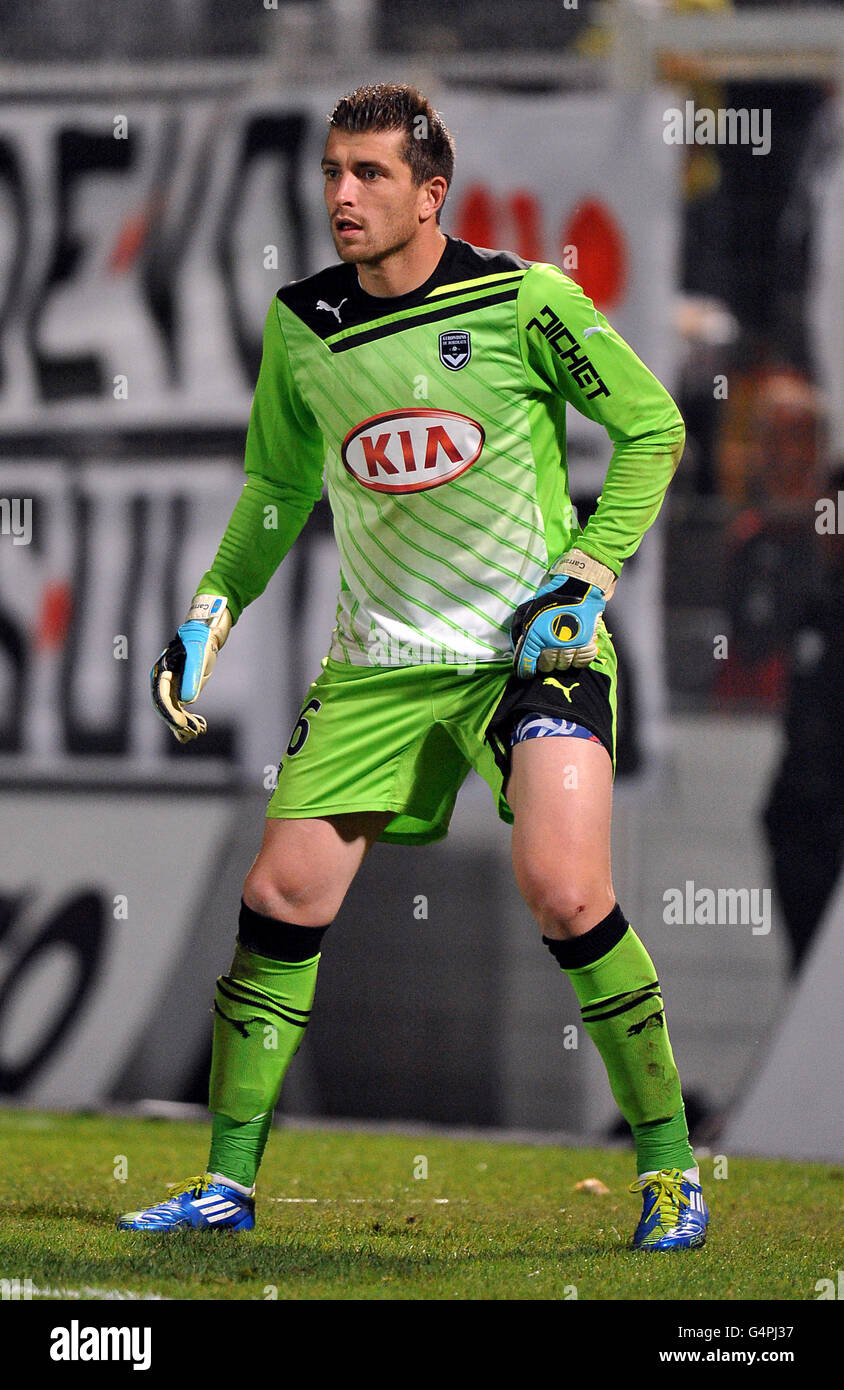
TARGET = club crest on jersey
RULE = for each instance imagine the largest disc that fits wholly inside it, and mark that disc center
(455, 348)
(410, 450)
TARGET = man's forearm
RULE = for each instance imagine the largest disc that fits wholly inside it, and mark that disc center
(262, 529)
(633, 491)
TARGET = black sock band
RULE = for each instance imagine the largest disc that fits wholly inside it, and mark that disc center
(286, 941)
(578, 951)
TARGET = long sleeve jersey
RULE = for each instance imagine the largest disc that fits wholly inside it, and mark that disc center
(437, 421)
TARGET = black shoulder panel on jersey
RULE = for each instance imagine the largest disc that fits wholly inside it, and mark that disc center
(321, 301)
(332, 300)
(471, 262)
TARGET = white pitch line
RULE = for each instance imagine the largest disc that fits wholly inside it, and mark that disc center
(367, 1201)
(123, 1295)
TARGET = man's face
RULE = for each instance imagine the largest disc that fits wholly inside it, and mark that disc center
(372, 202)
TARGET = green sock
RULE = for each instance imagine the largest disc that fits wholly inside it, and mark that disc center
(237, 1149)
(261, 1010)
(621, 1006)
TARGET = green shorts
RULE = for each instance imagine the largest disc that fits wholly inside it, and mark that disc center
(403, 738)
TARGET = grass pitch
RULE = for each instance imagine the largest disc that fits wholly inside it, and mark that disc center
(350, 1216)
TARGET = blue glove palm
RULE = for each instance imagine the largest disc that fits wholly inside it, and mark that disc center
(186, 663)
(556, 628)
(196, 638)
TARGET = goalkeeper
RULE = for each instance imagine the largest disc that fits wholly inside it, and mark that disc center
(426, 380)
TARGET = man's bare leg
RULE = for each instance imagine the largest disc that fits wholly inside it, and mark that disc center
(304, 868)
(560, 792)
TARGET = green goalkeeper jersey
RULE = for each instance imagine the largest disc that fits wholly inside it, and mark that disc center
(438, 421)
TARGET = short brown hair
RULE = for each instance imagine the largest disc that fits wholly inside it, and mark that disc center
(428, 146)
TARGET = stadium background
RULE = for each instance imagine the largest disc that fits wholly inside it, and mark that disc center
(158, 181)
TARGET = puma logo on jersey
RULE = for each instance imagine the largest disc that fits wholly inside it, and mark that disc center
(330, 309)
(596, 327)
(566, 689)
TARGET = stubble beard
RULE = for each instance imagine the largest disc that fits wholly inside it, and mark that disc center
(395, 239)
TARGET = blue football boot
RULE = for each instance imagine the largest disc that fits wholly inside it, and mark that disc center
(200, 1203)
(674, 1214)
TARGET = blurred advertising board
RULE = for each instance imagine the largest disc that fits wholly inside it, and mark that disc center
(139, 249)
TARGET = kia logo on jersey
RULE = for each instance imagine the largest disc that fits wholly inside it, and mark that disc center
(409, 450)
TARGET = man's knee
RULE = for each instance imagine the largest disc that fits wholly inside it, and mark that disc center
(290, 894)
(565, 903)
